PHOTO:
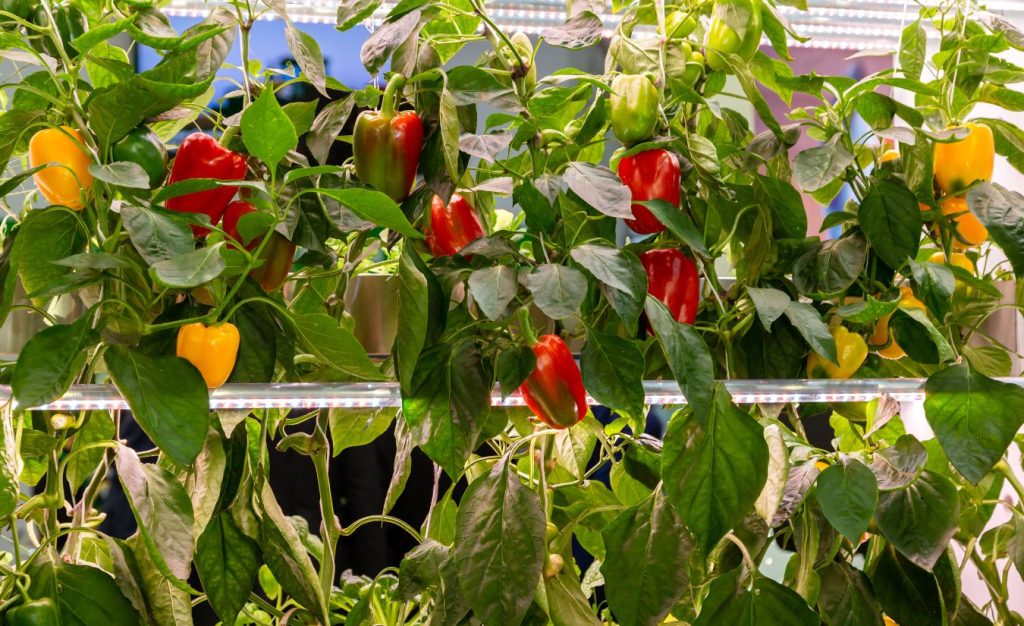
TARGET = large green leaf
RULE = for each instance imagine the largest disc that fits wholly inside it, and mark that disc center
(191, 269)
(50, 361)
(267, 130)
(919, 520)
(891, 219)
(373, 206)
(974, 417)
(816, 167)
(421, 314)
(499, 545)
(848, 494)
(613, 371)
(906, 592)
(227, 562)
(829, 268)
(493, 289)
(1002, 213)
(10, 467)
(646, 564)
(729, 601)
(157, 235)
(688, 356)
(85, 595)
(168, 399)
(557, 290)
(336, 346)
(714, 469)
(45, 236)
(356, 427)
(846, 597)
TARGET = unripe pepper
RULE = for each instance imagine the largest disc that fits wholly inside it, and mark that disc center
(70, 22)
(679, 24)
(527, 72)
(722, 39)
(970, 232)
(69, 182)
(142, 147)
(966, 161)
(672, 278)
(386, 145)
(276, 256)
(634, 108)
(882, 336)
(212, 349)
(22, 9)
(554, 390)
(452, 227)
(650, 175)
(851, 350)
(41, 612)
(200, 156)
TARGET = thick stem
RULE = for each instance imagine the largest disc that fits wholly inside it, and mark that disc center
(392, 92)
(526, 326)
(330, 529)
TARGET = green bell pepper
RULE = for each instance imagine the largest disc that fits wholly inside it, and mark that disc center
(22, 9)
(70, 22)
(735, 29)
(41, 612)
(634, 108)
(142, 147)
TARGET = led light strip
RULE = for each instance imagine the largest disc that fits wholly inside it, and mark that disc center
(377, 395)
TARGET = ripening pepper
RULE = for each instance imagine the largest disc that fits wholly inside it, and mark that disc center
(70, 22)
(554, 390)
(452, 227)
(672, 278)
(276, 256)
(386, 145)
(41, 612)
(970, 232)
(200, 156)
(634, 108)
(723, 39)
(851, 350)
(650, 175)
(882, 336)
(142, 147)
(966, 161)
(212, 349)
(69, 182)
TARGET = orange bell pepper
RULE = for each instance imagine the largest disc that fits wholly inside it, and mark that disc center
(963, 162)
(883, 337)
(69, 182)
(970, 232)
(212, 349)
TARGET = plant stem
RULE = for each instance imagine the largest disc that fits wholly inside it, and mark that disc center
(330, 529)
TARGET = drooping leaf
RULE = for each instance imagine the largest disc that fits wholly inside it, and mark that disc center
(848, 494)
(920, 519)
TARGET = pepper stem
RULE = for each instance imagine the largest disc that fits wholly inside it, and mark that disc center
(526, 326)
(391, 94)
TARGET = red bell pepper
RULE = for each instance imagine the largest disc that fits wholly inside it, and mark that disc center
(277, 255)
(386, 145)
(200, 156)
(554, 390)
(672, 278)
(650, 175)
(452, 227)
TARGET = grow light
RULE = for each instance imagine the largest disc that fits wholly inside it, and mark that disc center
(378, 395)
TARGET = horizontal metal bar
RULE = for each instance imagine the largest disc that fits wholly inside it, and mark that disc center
(388, 394)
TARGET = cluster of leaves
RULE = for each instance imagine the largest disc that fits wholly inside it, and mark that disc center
(684, 524)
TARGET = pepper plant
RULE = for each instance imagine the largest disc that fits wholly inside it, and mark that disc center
(230, 263)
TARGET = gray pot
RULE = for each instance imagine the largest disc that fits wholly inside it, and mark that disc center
(372, 301)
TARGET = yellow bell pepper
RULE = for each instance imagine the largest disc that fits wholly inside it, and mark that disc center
(851, 350)
(963, 162)
(956, 259)
(69, 183)
(883, 337)
(970, 231)
(212, 349)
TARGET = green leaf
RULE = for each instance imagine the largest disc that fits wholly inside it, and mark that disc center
(646, 565)
(227, 562)
(499, 545)
(891, 219)
(815, 168)
(714, 468)
(157, 235)
(335, 345)
(867, 311)
(935, 285)
(974, 417)
(386, 39)
(770, 304)
(688, 356)
(846, 597)
(98, 426)
(493, 289)
(351, 12)
(916, 334)
(419, 569)
(789, 218)
(730, 602)
(422, 308)
(513, 366)
(913, 46)
(167, 397)
(450, 131)
(163, 511)
(600, 188)
(267, 130)
(1002, 213)
(679, 223)
(920, 519)
(829, 268)
(806, 319)
(46, 235)
(307, 54)
(191, 269)
(121, 174)
(85, 595)
(351, 428)
(373, 206)
(613, 371)
(557, 290)
(898, 466)
(906, 592)
(10, 469)
(848, 494)
(51, 360)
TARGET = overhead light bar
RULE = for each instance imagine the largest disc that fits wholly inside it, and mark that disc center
(388, 394)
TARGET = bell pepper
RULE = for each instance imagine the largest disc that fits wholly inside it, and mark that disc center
(554, 390)
(650, 175)
(70, 22)
(386, 145)
(970, 232)
(69, 182)
(276, 256)
(963, 162)
(634, 108)
(672, 278)
(881, 335)
(851, 350)
(679, 24)
(723, 39)
(956, 259)
(40, 612)
(200, 156)
(212, 349)
(142, 147)
(21, 9)
(452, 227)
